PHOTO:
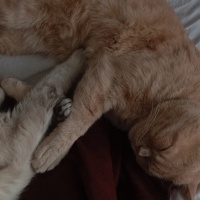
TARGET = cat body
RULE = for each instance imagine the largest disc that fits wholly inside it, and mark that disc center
(143, 71)
(22, 129)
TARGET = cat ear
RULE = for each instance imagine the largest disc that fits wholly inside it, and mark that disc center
(144, 152)
(186, 192)
(191, 190)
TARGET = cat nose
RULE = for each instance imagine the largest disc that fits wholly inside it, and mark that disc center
(142, 151)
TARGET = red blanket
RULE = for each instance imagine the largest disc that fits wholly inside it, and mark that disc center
(100, 166)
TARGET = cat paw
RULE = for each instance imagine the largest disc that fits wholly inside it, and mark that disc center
(49, 154)
(54, 147)
(63, 109)
(14, 88)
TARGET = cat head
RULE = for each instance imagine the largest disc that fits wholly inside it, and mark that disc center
(167, 142)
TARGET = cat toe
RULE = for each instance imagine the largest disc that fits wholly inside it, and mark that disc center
(63, 109)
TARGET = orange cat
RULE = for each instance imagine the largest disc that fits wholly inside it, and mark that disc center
(143, 71)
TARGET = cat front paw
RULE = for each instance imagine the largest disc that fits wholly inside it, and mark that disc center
(49, 153)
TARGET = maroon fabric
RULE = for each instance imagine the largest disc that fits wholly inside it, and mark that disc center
(100, 166)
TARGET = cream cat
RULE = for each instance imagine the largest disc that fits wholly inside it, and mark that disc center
(22, 129)
(143, 71)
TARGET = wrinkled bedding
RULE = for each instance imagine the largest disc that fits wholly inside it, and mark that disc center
(188, 12)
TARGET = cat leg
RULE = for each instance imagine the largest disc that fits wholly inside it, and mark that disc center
(90, 101)
(15, 88)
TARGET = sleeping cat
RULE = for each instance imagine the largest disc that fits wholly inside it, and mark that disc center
(143, 71)
(22, 129)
